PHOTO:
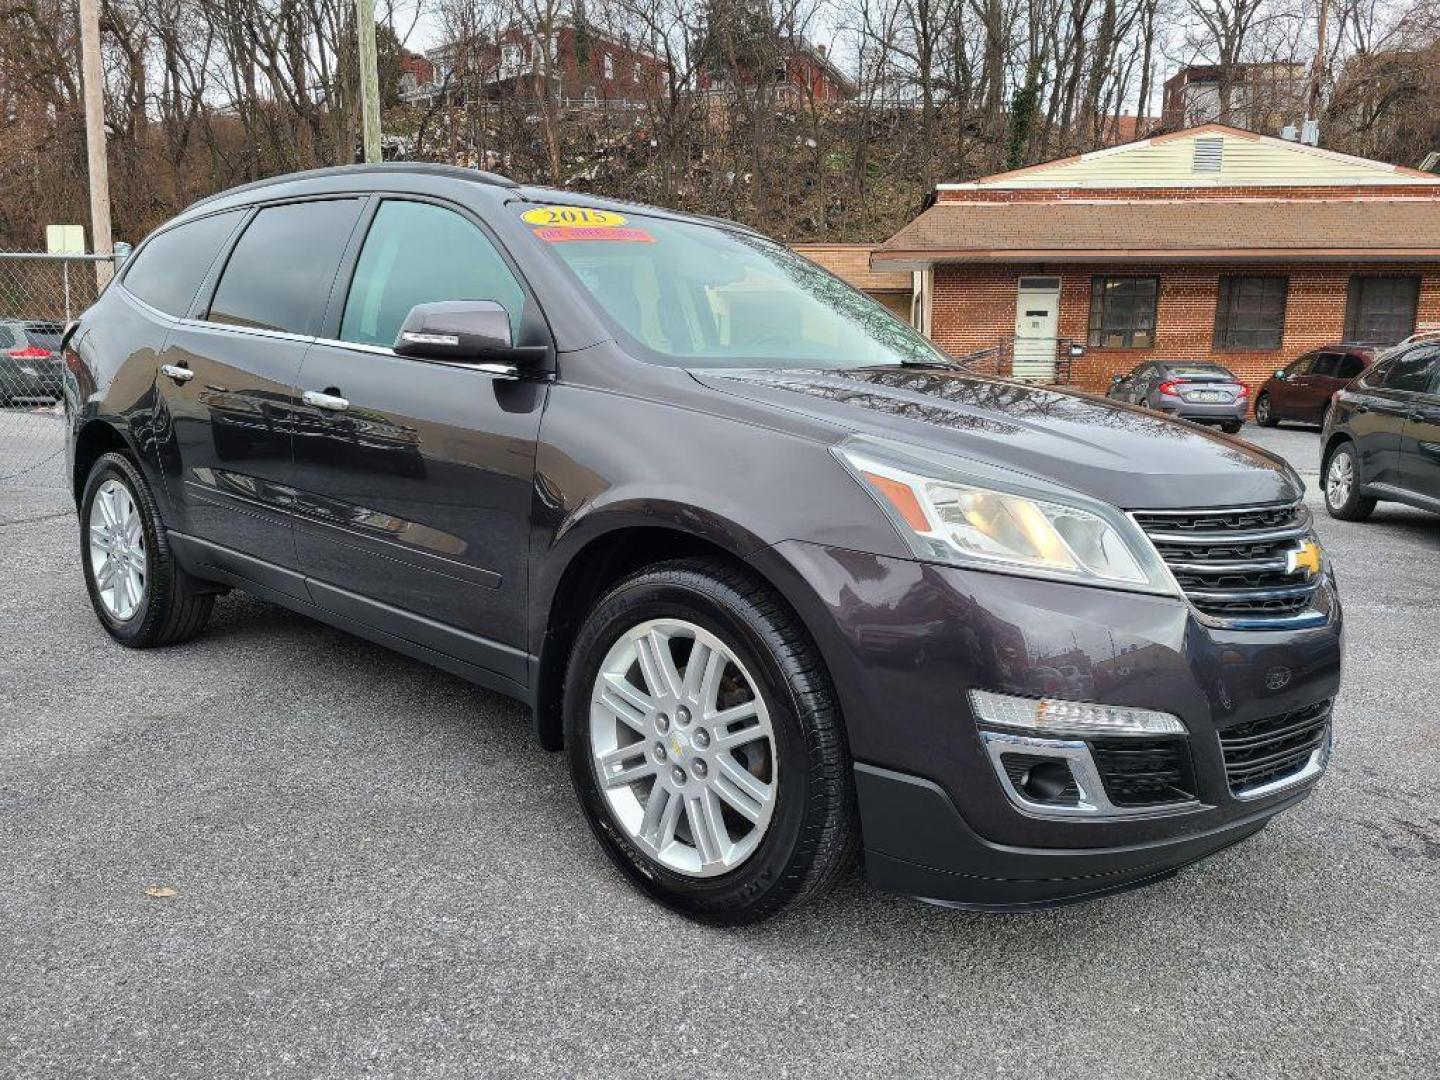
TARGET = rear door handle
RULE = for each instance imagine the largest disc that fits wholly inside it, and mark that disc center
(333, 402)
(176, 372)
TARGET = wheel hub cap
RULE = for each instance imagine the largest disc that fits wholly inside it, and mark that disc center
(683, 748)
(117, 550)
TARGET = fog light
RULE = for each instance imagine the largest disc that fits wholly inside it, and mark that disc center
(1070, 717)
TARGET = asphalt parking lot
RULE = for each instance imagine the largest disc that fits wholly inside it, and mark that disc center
(376, 872)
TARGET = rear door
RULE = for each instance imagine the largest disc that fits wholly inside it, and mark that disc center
(1420, 444)
(1314, 389)
(1385, 398)
(415, 477)
(228, 379)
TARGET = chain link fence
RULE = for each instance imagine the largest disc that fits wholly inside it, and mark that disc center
(39, 295)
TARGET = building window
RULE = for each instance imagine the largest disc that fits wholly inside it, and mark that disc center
(1250, 312)
(1122, 312)
(635, 73)
(1380, 309)
(609, 66)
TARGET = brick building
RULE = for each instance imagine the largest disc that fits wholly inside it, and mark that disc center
(582, 65)
(1211, 243)
(803, 73)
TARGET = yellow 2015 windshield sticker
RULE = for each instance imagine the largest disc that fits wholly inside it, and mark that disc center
(573, 217)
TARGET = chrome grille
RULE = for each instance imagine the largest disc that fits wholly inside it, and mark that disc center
(1232, 564)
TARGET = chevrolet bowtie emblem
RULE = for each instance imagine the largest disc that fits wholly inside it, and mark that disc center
(1304, 559)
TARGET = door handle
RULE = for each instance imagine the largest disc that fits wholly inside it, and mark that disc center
(176, 372)
(333, 402)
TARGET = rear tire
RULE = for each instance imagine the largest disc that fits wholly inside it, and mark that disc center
(1342, 489)
(1264, 414)
(799, 831)
(161, 605)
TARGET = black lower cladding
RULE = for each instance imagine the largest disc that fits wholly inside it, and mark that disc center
(917, 843)
(1260, 752)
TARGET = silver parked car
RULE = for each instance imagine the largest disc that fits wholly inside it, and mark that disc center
(1190, 389)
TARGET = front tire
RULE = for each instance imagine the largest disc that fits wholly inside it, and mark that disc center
(140, 594)
(1342, 489)
(706, 745)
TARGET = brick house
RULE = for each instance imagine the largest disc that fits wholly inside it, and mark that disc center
(579, 65)
(803, 72)
(1206, 244)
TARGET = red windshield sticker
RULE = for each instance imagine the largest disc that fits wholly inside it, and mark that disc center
(560, 234)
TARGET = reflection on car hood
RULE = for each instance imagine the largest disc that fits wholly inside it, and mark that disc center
(1129, 457)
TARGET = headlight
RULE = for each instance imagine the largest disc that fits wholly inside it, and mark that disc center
(973, 514)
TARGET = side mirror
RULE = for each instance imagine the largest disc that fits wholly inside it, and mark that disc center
(1280, 374)
(464, 331)
(1116, 380)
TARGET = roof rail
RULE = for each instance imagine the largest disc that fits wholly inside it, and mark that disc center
(458, 172)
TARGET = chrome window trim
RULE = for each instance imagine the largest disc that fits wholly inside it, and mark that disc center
(1094, 804)
(505, 370)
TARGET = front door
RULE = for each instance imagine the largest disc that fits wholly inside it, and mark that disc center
(414, 478)
(227, 384)
(1037, 324)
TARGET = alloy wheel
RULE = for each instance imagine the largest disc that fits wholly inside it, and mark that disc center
(117, 550)
(1339, 480)
(683, 748)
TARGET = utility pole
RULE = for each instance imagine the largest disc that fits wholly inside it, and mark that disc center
(1317, 71)
(369, 78)
(97, 163)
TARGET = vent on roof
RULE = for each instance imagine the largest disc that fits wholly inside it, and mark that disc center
(1209, 154)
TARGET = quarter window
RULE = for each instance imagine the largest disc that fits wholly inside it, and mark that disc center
(280, 273)
(1350, 366)
(1250, 312)
(419, 253)
(169, 269)
(1122, 312)
(1381, 308)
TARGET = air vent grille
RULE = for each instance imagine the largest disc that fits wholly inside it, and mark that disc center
(1209, 155)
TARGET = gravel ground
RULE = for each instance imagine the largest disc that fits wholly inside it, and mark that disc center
(376, 872)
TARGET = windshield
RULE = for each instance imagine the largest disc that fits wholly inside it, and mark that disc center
(703, 296)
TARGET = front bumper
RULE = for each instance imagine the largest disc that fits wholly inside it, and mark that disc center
(904, 642)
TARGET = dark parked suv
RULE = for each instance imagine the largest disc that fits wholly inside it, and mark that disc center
(1381, 438)
(778, 577)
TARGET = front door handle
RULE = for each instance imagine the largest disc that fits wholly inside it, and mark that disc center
(176, 372)
(333, 402)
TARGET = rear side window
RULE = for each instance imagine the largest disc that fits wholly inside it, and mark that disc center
(280, 273)
(1350, 366)
(167, 272)
(418, 253)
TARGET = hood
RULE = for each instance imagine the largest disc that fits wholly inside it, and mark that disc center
(1129, 457)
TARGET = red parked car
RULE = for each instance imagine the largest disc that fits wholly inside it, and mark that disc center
(1302, 390)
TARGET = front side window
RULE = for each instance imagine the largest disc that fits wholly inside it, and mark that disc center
(280, 273)
(1250, 312)
(1380, 308)
(1122, 312)
(169, 269)
(419, 253)
(694, 295)
(1301, 366)
(1411, 371)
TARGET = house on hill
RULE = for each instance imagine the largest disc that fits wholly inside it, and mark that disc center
(1212, 243)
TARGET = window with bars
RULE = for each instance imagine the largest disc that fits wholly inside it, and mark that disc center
(1250, 311)
(1380, 308)
(1122, 312)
